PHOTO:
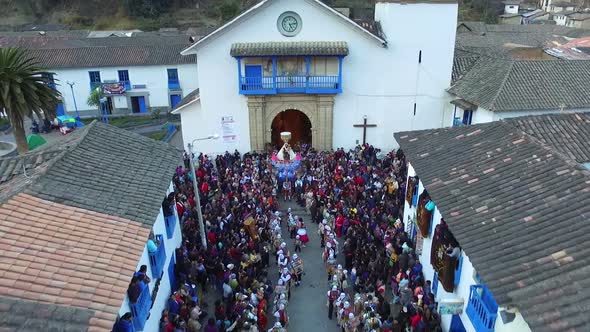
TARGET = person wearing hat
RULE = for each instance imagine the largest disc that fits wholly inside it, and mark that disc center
(277, 328)
(297, 269)
(332, 296)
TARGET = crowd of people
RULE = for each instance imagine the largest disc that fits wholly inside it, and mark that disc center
(356, 198)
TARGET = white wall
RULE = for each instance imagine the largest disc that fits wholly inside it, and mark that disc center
(154, 77)
(482, 115)
(467, 274)
(560, 19)
(164, 290)
(382, 83)
(511, 9)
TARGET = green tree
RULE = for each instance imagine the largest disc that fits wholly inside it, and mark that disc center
(229, 9)
(94, 98)
(24, 91)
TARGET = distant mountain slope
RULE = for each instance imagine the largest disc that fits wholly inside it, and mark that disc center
(154, 14)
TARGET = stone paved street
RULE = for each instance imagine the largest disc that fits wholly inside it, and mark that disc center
(307, 308)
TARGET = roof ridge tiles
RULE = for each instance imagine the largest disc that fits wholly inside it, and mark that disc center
(502, 85)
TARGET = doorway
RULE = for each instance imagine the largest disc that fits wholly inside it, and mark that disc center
(138, 104)
(295, 122)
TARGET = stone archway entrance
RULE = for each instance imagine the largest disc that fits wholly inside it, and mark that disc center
(263, 110)
(295, 122)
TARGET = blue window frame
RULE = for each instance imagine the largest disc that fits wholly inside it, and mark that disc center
(170, 222)
(431, 222)
(174, 100)
(415, 197)
(482, 308)
(435, 284)
(458, 270)
(171, 273)
(141, 308)
(173, 82)
(467, 117)
(158, 258)
(94, 79)
(124, 78)
(457, 324)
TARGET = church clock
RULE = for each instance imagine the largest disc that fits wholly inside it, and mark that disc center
(289, 24)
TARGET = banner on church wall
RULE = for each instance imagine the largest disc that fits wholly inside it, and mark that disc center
(229, 132)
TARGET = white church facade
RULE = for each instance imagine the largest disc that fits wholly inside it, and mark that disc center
(301, 66)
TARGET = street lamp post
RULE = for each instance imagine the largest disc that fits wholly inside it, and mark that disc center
(71, 84)
(196, 187)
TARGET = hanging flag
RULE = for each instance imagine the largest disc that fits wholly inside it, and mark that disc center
(111, 89)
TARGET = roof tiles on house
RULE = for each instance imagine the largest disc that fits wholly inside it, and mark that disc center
(67, 52)
(524, 222)
(568, 133)
(525, 85)
(325, 48)
(64, 259)
(103, 169)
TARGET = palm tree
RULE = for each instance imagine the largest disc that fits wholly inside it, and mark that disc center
(24, 91)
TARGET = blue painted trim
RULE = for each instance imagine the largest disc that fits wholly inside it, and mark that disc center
(240, 75)
(458, 270)
(457, 324)
(141, 308)
(158, 258)
(274, 72)
(170, 225)
(340, 73)
(435, 284)
(307, 65)
(482, 308)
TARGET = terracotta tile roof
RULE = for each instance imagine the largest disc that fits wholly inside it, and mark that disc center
(57, 254)
(519, 208)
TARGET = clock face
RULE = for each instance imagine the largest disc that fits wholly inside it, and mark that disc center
(289, 24)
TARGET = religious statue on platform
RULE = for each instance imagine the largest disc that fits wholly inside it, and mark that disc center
(286, 152)
(286, 161)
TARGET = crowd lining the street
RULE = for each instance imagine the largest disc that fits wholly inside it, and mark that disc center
(356, 198)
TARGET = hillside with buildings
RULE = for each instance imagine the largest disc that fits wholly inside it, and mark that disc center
(155, 14)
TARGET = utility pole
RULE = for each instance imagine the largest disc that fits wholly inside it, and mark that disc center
(71, 84)
(197, 190)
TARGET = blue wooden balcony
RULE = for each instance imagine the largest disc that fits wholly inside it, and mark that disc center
(289, 67)
(141, 308)
(269, 85)
(158, 258)
(482, 308)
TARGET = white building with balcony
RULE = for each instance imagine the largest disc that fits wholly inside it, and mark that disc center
(138, 72)
(303, 67)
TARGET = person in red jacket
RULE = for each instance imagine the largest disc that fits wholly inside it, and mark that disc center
(339, 223)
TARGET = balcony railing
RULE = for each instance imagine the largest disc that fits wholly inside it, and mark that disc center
(482, 309)
(158, 258)
(170, 222)
(127, 85)
(141, 309)
(173, 84)
(290, 84)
